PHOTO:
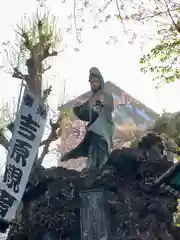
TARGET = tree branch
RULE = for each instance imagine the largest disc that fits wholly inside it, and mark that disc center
(104, 7)
(55, 127)
(119, 11)
(75, 22)
(46, 69)
(169, 13)
(43, 142)
(157, 14)
(18, 74)
(47, 54)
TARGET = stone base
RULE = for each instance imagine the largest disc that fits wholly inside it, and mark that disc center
(94, 223)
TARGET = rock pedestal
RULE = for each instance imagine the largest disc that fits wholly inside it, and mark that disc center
(128, 207)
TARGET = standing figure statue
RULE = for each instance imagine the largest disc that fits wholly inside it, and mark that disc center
(97, 111)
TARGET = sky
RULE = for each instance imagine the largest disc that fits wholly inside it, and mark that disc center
(118, 63)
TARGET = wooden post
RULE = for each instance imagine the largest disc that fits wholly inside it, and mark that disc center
(94, 223)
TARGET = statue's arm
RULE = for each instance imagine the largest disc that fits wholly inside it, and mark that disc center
(82, 111)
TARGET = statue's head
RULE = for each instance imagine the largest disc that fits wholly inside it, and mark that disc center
(96, 80)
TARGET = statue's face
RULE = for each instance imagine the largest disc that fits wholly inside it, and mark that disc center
(95, 83)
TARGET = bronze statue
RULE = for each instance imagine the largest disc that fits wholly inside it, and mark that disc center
(97, 111)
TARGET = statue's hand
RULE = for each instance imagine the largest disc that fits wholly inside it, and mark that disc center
(99, 103)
